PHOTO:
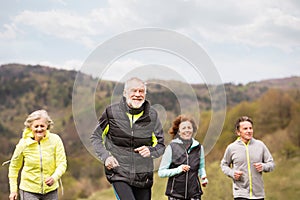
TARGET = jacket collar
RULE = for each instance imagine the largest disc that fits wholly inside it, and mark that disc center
(179, 141)
(28, 134)
(249, 142)
(145, 107)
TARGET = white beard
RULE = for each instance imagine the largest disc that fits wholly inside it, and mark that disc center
(134, 104)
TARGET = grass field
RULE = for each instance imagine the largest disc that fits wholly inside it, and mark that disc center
(282, 183)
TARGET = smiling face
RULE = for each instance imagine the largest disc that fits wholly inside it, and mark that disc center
(245, 131)
(186, 130)
(135, 93)
(39, 128)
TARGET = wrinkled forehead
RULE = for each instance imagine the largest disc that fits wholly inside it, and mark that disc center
(40, 120)
(135, 84)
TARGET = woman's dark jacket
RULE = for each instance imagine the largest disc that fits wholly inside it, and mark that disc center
(185, 185)
(120, 137)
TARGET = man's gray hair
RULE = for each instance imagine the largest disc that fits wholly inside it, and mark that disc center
(137, 80)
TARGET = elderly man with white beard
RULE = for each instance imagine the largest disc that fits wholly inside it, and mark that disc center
(127, 138)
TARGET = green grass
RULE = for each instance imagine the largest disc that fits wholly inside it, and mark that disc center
(107, 194)
(282, 183)
(158, 191)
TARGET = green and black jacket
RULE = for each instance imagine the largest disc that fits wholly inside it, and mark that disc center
(119, 131)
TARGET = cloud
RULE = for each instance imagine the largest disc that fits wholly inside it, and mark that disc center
(255, 23)
(58, 23)
(9, 32)
(275, 28)
(258, 32)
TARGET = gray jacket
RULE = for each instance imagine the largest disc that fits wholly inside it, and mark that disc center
(241, 157)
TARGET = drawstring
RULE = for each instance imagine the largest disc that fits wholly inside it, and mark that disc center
(62, 187)
(6, 162)
(59, 181)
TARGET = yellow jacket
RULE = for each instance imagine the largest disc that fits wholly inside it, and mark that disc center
(39, 161)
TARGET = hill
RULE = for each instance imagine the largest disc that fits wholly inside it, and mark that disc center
(273, 104)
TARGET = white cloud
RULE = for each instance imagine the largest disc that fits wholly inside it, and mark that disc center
(9, 32)
(58, 23)
(274, 29)
(231, 28)
(254, 23)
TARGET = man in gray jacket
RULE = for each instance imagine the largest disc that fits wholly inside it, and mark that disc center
(244, 161)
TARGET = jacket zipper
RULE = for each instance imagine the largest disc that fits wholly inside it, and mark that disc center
(172, 188)
(41, 166)
(132, 154)
(249, 169)
(187, 174)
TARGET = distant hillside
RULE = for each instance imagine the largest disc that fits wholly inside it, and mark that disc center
(274, 104)
(283, 83)
(49, 84)
(253, 90)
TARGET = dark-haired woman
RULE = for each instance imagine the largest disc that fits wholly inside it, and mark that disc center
(183, 162)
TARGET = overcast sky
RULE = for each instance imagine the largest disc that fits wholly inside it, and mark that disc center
(248, 40)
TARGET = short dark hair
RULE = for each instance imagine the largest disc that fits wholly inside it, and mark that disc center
(242, 119)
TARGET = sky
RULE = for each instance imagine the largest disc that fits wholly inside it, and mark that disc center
(239, 41)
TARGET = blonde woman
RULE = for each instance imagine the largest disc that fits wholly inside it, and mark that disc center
(41, 156)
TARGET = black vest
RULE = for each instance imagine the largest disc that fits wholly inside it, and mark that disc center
(185, 185)
(122, 139)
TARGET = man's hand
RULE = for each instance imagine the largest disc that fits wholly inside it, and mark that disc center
(143, 151)
(237, 175)
(258, 167)
(111, 162)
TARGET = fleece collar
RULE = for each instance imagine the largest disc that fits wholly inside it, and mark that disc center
(27, 133)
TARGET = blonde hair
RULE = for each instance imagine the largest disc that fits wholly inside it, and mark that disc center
(36, 115)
